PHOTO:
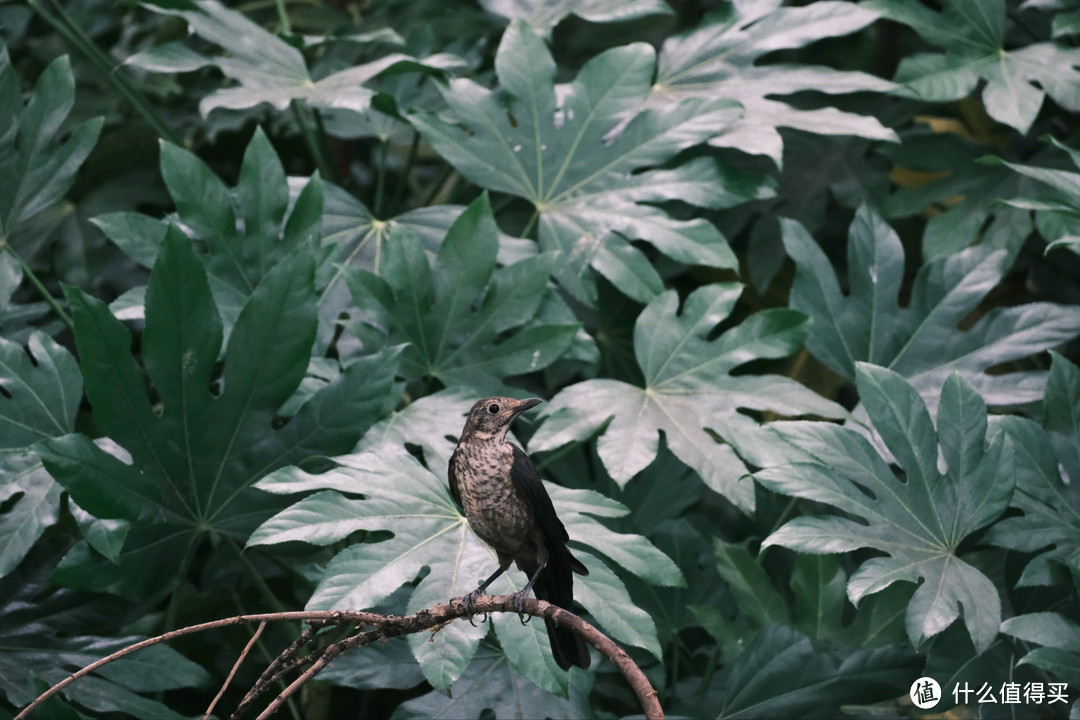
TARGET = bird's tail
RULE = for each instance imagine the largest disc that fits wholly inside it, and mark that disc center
(556, 585)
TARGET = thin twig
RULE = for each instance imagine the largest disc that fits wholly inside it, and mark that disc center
(235, 667)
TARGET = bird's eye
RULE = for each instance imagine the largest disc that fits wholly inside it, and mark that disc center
(493, 409)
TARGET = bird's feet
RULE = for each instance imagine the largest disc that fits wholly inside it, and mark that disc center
(470, 606)
(519, 604)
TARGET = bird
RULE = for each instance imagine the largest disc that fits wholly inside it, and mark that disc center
(504, 501)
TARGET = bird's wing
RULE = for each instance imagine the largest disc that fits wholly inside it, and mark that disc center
(452, 476)
(527, 480)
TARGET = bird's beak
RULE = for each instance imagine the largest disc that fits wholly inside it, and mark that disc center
(525, 405)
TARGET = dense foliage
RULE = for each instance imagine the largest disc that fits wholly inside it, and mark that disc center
(798, 282)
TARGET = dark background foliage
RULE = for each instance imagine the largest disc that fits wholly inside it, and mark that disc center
(797, 280)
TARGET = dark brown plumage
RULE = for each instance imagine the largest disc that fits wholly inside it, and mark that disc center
(506, 505)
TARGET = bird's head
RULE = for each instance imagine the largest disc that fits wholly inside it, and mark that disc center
(490, 418)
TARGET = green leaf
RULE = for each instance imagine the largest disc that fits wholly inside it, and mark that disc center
(490, 689)
(246, 231)
(1059, 215)
(43, 630)
(961, 194)
(689, 393)
(1060, 637)
(266, 68)
(38, 168)
(186, 465)
(544, 15)
(719, 59)
(818, 582)
(785, 674)
(40, 390)
(920, 341)
(749, 585)
(576, 153)
(1050, 524)
(972, 34)
(457, 311)
(920, 523)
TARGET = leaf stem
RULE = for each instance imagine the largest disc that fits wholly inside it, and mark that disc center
(776, 526)
(410, 160)
(283, 16)
(437, 186)
(315, 149)
(70, 30)
(36, 282)
(529, 225)
(256, 578)
(380, 180)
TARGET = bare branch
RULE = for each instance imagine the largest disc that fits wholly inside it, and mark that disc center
(383, 627)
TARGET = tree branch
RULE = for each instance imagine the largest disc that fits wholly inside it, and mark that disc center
(382, 627)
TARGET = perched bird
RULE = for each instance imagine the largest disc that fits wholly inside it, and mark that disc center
(500, 491)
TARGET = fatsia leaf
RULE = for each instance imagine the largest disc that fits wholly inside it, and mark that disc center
(717, 59)
(544, 15)
(1059, 214)
(490, 689)
(413, 503)
(44, 633)
(38, 160)
(184, 467)
(919, 523)
(954, 185)
(1050, 525)
(40, 390)
(457, 312)
(266, 68)
(783, 673)
(361, 240)
(921, 341)
(580, 154)
(972, 34)
(689, 393)
(246, 231)
(1059, 636)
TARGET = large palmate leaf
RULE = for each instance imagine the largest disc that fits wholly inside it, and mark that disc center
(359, 239)
(972, 34)
(413, 503)
(1050, 524)
(717, 59)
(456, 313)
(1060, 638)
(40, 390)
(266, 68)
(783, 673)
(45, 636)
(921, 341)
(245, 231)
(543, 15)
(490, 688)
(39, 158)
(1058, 215)
(575, 152)
(38, 161)
(185, 462)
(958, 191)
(689, 393)
(919, 523)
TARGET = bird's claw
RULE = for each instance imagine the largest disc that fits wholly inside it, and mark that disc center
(470, 606)
(519, 605)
